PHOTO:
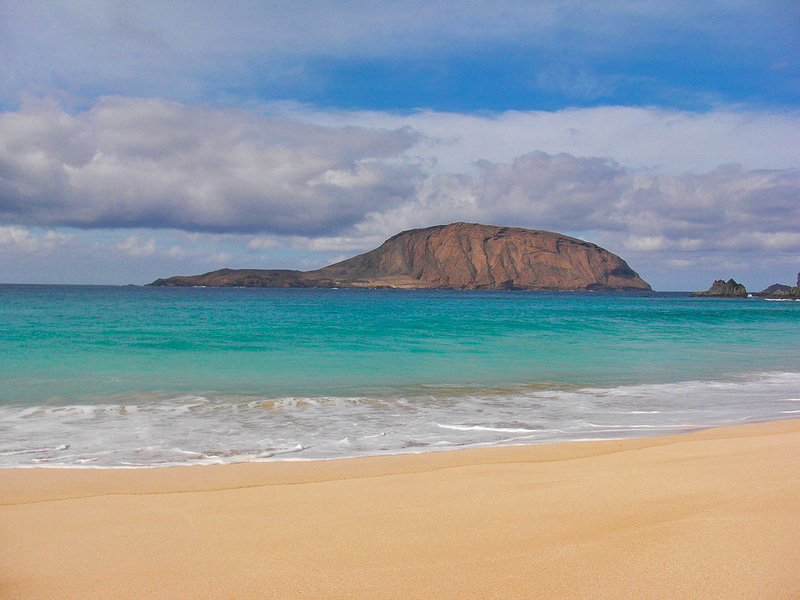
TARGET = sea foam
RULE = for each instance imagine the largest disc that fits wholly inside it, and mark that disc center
(228, 429)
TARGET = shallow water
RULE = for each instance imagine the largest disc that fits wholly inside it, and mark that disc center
(130, 376)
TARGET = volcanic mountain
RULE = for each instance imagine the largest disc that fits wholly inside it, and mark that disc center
(457, 256)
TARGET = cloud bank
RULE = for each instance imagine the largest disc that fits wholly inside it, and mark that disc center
(157, 164)
(336, 184)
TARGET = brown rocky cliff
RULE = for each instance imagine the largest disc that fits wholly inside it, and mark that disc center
(472, 256)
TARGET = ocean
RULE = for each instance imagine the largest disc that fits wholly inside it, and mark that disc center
(94, 376)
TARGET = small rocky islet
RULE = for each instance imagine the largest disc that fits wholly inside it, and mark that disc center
(723, 289)
(731, 289)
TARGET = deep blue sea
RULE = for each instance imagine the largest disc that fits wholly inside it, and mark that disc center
(140, 376)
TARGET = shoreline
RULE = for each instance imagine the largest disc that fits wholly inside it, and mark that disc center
(666, 431)
(304, 428)
(714, 513)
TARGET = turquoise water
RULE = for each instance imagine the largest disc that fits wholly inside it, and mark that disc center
(144, 376)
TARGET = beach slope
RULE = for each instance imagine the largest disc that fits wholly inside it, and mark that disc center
(710, 514)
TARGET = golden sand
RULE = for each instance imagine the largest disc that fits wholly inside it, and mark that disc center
(711, 514)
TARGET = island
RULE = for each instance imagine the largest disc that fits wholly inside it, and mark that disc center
(466, 256)
(731, 289)
(781, 292)
(723, 289)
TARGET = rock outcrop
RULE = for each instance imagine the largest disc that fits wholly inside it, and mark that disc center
(774, 288)
(455, 256)
(724, 289)
(782, 292)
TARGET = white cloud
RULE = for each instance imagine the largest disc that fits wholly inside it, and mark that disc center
(665, 141)
(25, 241)
(135, 247)
(761, 240)
(681, 263)
(220, 258)
(18, 238)
(645, 243)
(177, 252)
(261, 243)
(340, 243)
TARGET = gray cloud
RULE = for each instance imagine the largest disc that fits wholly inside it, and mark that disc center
(157, 164)
(563, 192)
(134, 163)
(680, 230)
(727, 209)
(553, 190)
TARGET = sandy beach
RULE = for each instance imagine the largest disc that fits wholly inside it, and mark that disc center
(710, 514)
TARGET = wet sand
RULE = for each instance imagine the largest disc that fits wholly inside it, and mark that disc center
(710, 514)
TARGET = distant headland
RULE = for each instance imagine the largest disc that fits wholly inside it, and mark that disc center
(465, 256)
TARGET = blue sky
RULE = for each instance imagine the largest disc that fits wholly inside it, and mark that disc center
(141, 139)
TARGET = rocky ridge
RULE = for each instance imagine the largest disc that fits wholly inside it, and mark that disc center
(455, 256)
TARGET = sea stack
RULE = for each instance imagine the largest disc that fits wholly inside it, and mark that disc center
(724, 289)
(466, 256)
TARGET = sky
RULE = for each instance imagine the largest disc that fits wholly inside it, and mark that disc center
(141, 140)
